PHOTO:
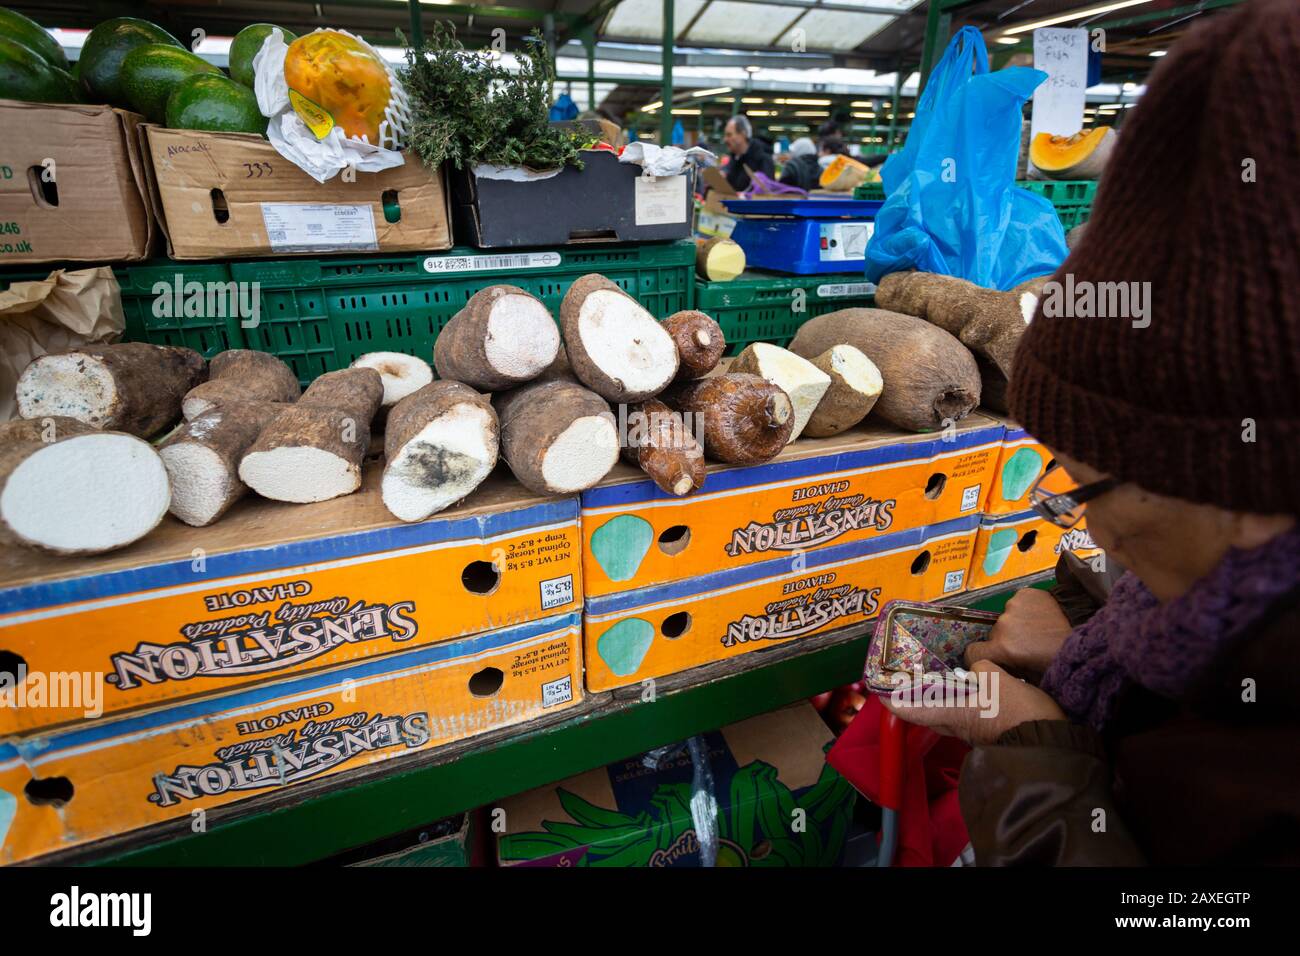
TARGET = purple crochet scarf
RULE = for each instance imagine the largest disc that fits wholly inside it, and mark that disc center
(1167, 648)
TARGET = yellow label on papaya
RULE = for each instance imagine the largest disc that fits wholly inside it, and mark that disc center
(317, 118)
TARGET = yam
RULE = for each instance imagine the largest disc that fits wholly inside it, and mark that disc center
(930, 378)
(718, 259)
(557, 436)
(242, 375)
(699, 340)
(616, 347)
(203, 455)
(804, 382)
(312, 451)
(661, 445)
(402, 374)
(70, 488)
(130, 387)
(855, 386)
(440, 444)
(503, 337)
(744, 418)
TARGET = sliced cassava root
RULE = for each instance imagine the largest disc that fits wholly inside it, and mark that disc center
(615, 347)
(929, 377)
(503, 337)
(70, 488)
(745, 419)
(440, 443)
(131, 386)
(984, 320)
(402, 374)
(718, 259)
(855, 386)
(312, 451)
(203, 455)
(802, 381)
(660, 444)
(699, 340)
(557, 436)
(242, 375)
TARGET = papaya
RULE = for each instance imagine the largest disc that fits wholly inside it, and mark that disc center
(247, 43)
(211, 101)
(32, 35)
(24, 75)
(337, 80)
(151, 71)
(1081, 156)
(107, 46)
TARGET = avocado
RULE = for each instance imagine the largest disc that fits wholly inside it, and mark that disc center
(245, 46)
(107, 46)
(212, 101)
(150, 73)
(32, 35)
(25, 76)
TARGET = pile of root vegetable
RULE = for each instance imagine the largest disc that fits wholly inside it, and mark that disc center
(98, 457)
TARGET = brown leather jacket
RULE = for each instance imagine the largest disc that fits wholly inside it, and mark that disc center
(1213, 779)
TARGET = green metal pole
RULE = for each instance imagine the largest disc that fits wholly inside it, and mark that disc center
(417, 29)
(893, 112)
(666, 111)
(589, 41)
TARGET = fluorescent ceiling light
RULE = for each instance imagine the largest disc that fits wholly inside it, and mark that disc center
(1009, 40)
(812, 113)
(752, 99)
(686, 112)
(762, 113)
(718, 92)
(1157, 53)
(1069, 15)
(788, 102)
(864, 115)
(651, 107)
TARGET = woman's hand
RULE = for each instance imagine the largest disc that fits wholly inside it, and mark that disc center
(1027, 635)
(979, 711)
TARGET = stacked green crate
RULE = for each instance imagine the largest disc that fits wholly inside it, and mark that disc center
(762, 307)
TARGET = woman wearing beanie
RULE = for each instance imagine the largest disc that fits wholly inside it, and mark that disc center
(1166, 729)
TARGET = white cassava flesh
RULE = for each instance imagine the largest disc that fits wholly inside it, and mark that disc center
(802, 381)
(502, 337)
(615, 347)
(855, 386)
(557, 436)
(581, 455)
(202, 458)
(85, 494)
(402, 373)
(281, 474)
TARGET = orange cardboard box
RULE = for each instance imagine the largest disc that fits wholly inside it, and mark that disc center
(1022, 460)
(1016, 545)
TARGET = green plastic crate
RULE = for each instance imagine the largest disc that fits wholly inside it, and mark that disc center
(869, 191)
(320, 314)
(760, 307)
(1072, 198)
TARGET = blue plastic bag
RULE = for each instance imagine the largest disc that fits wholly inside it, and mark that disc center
(952, 204)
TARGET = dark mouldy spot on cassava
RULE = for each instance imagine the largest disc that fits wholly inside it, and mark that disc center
(430, 466)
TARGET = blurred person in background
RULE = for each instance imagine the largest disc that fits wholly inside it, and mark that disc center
(800, 167)
(747, 154)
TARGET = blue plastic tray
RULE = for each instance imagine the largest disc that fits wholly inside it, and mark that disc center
(806, 208)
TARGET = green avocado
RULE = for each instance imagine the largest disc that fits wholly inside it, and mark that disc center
(151, 72)
(107, 46)
(32, 35)
(25, 76)
(247, 43)
(212, 101)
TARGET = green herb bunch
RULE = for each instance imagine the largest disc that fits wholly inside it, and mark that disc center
(467, 108)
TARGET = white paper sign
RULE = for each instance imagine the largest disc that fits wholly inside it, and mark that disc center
(660, 200)
(319, 227)
(1058, 102)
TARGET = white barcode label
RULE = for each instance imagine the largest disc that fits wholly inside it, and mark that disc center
(512, 260)
(952, 581)
(839, 289)
(557, 592)
(319, 227)
(970, 497)
(557, 692)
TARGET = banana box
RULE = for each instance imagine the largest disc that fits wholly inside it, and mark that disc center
(1012, 546)
(1021, 461)
(632, 636)
(269, 591)
(818, 492)
(105, 778)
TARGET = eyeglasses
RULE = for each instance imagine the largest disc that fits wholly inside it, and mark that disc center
(1056, 498)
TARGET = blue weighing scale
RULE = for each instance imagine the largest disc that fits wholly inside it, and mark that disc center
(804, 236)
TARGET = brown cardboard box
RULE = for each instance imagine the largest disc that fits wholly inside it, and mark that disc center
(231, 194)
(94, 206)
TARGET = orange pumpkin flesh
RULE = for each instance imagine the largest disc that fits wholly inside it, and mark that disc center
(1082, 155)
(343, 78)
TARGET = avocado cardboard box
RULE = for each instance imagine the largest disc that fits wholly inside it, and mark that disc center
(72, 185)
(272, 590)
(1021, 462)
(778, 804)
(632, 636)
(108, 777)
(1013, 546)
(819, 491)
(605, 201)
(233, 194)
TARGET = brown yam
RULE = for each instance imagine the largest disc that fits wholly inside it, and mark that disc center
(699, 340)
(503, 337)
(855, 386)
(803, 382)
(131, 386)
(745, 419)
(660, 445)
(557, 436)
(616, 347)
(242, 375)
(929, 377)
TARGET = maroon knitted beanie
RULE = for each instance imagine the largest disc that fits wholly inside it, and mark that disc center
(1201, 199)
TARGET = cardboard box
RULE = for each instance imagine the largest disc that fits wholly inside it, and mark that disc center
(232, 194)
(818, 491)
(1013, 546)
(72, 185)
(272, 590)
(627, 814)
(635, 635)
(1021, 462)
(110, 777)
(605, 201)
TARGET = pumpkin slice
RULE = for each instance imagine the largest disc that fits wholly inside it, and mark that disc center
(1081, 156)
